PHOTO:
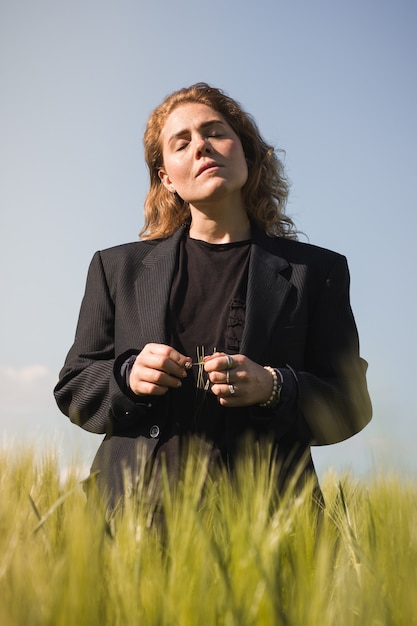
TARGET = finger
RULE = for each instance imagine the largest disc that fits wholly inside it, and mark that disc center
(146, 379)
(224, 391)
(221, 362)
(229, 396)
(140, 382)
(163, 379)
(211, 360)
(225, 376)
(166, 359)
(147, 389)
(152, 382)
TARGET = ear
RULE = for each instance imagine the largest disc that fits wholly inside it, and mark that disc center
(166, 181)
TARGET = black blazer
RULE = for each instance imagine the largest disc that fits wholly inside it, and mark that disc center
(298, 318)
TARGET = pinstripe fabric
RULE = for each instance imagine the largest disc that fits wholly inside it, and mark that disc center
(298, 318)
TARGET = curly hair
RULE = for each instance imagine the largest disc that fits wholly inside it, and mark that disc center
(264, 193)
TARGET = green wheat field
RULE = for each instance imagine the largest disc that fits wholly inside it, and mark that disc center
(225, 555)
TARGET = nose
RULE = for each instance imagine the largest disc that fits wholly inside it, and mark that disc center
(202, 146)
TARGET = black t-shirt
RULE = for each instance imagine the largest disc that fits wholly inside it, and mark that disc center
(206, 314)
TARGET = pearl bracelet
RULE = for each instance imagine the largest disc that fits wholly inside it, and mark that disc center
(275, 396)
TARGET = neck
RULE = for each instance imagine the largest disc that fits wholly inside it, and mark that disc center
(221, 228)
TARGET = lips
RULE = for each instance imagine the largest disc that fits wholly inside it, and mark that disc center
(207, 166)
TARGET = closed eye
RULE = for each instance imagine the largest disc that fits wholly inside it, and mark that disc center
(214, 133)
(214, 129)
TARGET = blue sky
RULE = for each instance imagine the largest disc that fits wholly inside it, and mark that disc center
(331, 83)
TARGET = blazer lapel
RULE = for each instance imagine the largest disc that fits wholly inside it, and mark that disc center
(153, 288)
(266, 294)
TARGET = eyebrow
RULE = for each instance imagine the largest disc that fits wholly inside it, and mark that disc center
(185, 131)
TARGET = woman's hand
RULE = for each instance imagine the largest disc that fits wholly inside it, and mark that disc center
(238, 381)
(158, 368)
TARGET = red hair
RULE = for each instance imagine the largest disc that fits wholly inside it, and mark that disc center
(264, 193)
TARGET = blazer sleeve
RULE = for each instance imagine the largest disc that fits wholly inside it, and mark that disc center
(332, 398)
(88, 391)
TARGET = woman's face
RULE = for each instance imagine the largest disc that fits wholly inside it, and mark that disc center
(203, 158)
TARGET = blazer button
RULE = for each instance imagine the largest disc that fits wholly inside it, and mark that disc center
(154, 431)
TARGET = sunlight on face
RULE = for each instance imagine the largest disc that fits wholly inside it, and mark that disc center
(203, 156)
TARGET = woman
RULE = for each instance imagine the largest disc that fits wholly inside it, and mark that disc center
(218, 324)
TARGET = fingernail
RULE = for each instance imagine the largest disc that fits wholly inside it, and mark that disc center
(179, 383)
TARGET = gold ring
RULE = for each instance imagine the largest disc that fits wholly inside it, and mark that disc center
(228, 377)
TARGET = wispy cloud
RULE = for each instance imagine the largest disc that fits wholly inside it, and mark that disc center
(25, 390)
(28, 414)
